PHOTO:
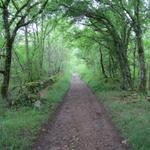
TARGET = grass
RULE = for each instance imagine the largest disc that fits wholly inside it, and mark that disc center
(131, 117)
(19, 127)
(130, 111)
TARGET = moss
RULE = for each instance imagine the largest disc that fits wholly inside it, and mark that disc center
(27, 94)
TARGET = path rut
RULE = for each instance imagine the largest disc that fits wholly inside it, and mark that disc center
(81, 124)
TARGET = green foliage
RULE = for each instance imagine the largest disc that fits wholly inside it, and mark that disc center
(99, 39)
(96, 81)
(130, 111)
(131, 117)
(19, 127)
(29, 93)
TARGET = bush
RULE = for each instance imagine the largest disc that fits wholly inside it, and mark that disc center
(28, 94)
(96, 80)
(19, 127)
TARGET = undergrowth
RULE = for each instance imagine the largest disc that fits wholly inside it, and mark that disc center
(130, 111)
(19, 126)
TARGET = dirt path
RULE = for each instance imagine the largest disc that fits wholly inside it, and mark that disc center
(81, 124)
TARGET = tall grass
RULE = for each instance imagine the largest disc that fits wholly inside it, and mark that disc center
(131, 114)
(19, 127)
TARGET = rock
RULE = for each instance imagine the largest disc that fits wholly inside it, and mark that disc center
(38, 104)
(43, 130)
(148, 98)
(124, 142)
(134, 96)
(28, 94)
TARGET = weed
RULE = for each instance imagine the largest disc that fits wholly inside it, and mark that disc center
(19, 127)
(130, 112)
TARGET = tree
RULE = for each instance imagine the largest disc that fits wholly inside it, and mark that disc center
(114, 24)
(135, 20)
(14, 17)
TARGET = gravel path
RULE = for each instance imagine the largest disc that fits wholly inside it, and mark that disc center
(81, 124)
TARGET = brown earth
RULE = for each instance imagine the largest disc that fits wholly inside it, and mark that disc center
(82, 123)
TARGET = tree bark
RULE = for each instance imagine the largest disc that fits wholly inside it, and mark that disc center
(9, 45)
(114, 66)
(10, 33)
(148, 70)
(5, 84)
(49, 56)
(41, 45)
(125, 70)
(102, 64)
(27, 55)
(134, 66)
(140, 48)
(124, 67)
(143, 77)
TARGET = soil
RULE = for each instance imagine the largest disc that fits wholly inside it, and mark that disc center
(82, 123)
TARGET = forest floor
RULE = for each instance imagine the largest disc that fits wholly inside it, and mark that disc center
(81, 123)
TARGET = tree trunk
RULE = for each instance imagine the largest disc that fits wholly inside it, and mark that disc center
(126, 75)
(148, 66)
(5, 84)
(9, 45)
(140, 47)
(125, 69)
(134, 66)
(42, 42)
(29, 68)
(143, 77)
(49, 56)
(113, 66)
(121, 52)
(102, 64)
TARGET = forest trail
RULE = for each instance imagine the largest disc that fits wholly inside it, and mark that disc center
(81, 124)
